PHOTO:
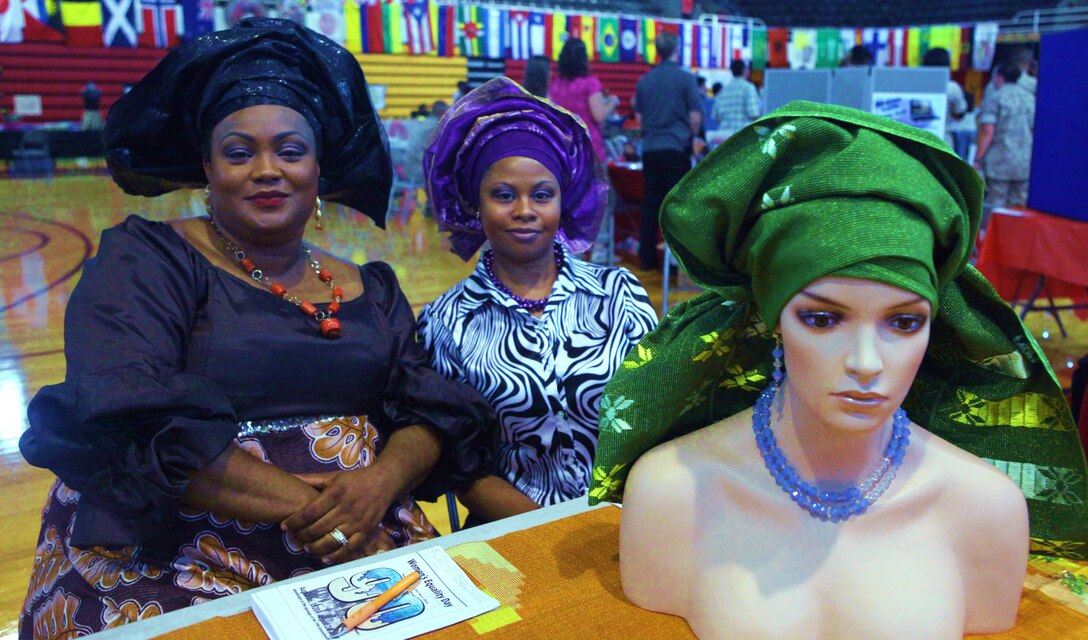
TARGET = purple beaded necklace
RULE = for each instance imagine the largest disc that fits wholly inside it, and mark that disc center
(529, 304)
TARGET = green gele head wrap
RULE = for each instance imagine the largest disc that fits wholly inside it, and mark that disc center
(816, 190)
(813, 190)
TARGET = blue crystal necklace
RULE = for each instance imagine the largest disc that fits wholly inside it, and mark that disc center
(835, 506)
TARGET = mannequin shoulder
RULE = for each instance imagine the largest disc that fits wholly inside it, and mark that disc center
(971, 489)
(668, 475)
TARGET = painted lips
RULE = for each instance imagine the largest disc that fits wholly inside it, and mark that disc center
(268, 199)
(524, 235)
(861, 400)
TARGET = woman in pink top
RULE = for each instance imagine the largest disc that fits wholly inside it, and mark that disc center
(581, 93)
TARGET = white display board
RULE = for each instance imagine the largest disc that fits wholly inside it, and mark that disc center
(28, 105)
(926, 111)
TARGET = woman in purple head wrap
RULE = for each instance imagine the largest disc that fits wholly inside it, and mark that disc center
(534, 328)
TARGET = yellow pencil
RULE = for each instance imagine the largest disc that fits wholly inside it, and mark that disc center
(372, 607)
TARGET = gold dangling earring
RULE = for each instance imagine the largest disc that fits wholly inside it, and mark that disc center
(208, 200)
(318, 212)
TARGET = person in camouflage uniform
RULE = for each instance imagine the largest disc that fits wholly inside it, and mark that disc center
(1005, 132)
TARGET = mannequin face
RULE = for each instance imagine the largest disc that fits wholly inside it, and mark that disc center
(262, 174)
(852, 349)
(520, 210)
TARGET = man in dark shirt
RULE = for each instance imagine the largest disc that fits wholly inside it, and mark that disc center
(670, 113)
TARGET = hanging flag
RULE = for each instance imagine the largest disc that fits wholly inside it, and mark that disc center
(417, 20)
(687, 56)
(327, 18)
(742, 45)
(371, 30)
(161, 23)
(876, 41)
(494, 32)
(912, 46)
(82, 22)
(537, 34)
(985, 44)
(381, 26)
(719, 46)
(897, 42)
(198, 16)
(967, 37)
(849, 38)
(829, 48)
(443, 28)
(574, 27)
(12, 21)
(394, 29)
(41, 21)
(702, 48)
(470, 30)
(778, 45)
(736, 42)
(555, 33)
(759, 49)
(802, 49)
(649, 36)
(945, 37)
(608, 38)
(353, 27)
(629, 39)
(520, 47)
(589, 36)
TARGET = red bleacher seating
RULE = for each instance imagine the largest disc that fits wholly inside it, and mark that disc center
(58, 74)
(619, 78)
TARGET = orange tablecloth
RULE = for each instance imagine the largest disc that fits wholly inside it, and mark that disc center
(1022, 245)
(561, 580)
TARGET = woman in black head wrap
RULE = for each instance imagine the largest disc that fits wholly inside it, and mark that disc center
(239, 406)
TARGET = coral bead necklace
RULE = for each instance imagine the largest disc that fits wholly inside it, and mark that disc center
(330, 326)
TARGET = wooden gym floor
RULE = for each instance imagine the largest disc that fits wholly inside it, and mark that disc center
(48, 228)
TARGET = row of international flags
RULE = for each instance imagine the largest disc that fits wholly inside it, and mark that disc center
(424, 27)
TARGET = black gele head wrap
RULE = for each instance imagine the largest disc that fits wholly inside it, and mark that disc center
(155, 134)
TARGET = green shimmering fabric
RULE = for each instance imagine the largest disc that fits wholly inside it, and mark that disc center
(809, 191)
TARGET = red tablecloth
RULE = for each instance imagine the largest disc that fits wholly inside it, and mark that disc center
(1021, 244)
(628, 181)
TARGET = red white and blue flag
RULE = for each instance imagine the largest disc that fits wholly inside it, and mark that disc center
(526, 35)
(417, 18)
(521, 47)
(199, 17)
(161, 24)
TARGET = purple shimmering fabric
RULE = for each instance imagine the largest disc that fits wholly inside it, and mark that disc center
(463, 143)
(156, 133)
(515, 142)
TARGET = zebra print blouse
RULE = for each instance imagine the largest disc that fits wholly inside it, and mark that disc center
(544, 376)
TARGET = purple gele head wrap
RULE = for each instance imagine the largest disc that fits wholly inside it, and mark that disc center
(515, 142)
(500, 119)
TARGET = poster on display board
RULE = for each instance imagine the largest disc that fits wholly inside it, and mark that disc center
(923, 110)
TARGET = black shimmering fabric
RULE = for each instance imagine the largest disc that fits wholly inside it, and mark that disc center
(155, 134)
(160, 373)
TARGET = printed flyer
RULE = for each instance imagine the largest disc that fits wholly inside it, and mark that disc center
(315, 608)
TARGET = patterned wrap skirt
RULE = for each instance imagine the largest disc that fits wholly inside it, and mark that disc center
(75, 592)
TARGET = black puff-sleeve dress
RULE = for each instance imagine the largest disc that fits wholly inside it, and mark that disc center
(170, 360)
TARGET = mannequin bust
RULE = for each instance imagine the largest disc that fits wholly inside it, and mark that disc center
(940, 553)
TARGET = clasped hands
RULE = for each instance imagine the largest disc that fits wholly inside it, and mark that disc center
(352, 501)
